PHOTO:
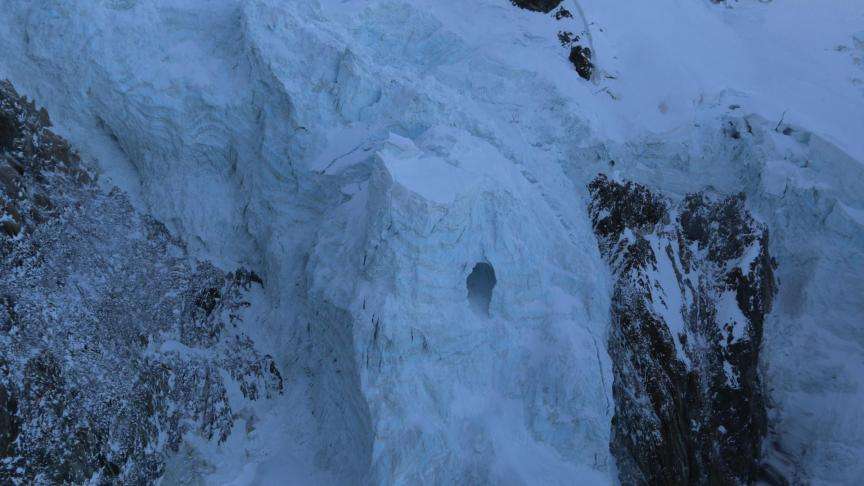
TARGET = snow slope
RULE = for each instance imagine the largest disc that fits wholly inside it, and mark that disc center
(363, 156)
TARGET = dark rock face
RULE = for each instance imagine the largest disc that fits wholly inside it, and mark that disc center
(113, 346)
(8, 131)
(694, 282)
(581, 59)
(579, 56)
(563, 13)
(544, 6)
(9, 424)
(32, 160)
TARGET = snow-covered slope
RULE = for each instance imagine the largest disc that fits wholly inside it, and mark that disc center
(363, 157)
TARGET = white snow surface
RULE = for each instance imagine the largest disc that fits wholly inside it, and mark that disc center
(363, 156)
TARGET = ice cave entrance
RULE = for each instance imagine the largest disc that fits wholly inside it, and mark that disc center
(480, 284)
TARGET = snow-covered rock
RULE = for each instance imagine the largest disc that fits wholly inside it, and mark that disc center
(114, 348)
(694, 284)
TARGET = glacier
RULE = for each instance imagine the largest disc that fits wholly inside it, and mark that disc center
(364, 157)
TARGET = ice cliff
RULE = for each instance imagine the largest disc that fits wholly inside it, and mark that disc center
(410, 180)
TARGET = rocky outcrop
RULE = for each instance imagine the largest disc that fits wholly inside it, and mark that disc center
(32, 161)
(580, 56)
(581, 59)
(693, 283)
(113, 346)
(544, 6)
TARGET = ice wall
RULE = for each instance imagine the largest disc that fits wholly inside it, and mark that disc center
(295, 139)
(363, 156)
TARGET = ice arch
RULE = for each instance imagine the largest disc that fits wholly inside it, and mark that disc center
(480, 283)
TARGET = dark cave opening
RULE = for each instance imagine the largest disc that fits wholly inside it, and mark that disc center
(480, 283)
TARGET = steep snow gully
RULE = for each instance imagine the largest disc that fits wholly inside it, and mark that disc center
(444, 298)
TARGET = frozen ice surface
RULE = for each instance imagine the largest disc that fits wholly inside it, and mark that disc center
(363, 157)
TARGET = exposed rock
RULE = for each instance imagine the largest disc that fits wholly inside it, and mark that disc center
(693, 283)
(31, 158)
(566, 38)
(114, 346)
(579, 56)
(544, 6)
(563, 13)
(9, 425)
(581, 59)
(8, 131)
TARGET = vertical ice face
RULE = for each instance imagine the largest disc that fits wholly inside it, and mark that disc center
(506, 393)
